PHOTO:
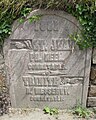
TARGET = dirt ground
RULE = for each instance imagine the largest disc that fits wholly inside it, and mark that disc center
(37, 114)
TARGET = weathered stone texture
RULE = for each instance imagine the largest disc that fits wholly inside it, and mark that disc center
(92, 92)
(91, 101)
(44, 66)
(1, 81)
(1, 63)
(2, 72)
(94, 56)
(93, 75)
(4, 96)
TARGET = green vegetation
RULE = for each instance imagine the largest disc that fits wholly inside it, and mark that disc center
(34, 18)
(86, 14)
(83, 10)
(51, 111)
(82, 112)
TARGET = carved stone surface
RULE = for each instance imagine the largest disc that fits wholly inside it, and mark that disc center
(44, 67)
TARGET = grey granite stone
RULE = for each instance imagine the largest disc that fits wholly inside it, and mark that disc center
(44, 67)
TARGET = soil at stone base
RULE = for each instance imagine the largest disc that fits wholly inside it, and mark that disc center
(37, 114)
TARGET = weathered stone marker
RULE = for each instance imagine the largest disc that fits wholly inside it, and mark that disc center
(44, 67)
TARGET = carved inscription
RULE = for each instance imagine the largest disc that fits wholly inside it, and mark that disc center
(47, 91)
(52, 81)
(60, 44)
(43, 64)
(49, 25)
(46, 77)
(47, 56)
(49, 88)
(40, 81)
(49, 66)
(47, 98)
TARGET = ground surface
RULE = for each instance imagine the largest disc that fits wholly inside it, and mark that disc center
(37, 114)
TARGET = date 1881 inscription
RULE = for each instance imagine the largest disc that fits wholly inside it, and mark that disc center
(42, 66)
